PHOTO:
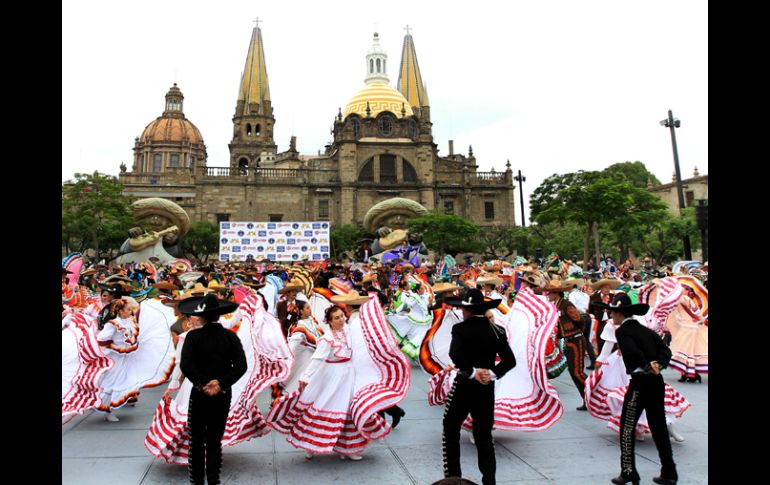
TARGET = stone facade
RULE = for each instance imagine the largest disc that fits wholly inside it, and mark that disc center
(371, 159)
(694, 189)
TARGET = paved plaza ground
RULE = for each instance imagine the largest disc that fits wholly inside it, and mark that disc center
(577, 450)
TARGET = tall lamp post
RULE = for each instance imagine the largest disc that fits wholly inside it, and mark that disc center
(672, 123)
(520, 179)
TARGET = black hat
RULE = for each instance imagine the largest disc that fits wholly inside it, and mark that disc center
(473, 300)
(623, 302)
(65, 271)
(206, 306)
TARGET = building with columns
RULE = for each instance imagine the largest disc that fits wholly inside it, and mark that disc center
(382, 148)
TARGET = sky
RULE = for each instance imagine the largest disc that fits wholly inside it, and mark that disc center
(553, 86)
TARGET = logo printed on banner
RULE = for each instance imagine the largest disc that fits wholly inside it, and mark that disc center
(313, 240)
(260, 248)
(271, 257)
(271, 226)
(224, 240)
(308, 233)
(295, 256)
(225, 248)
(304, 249)
(241, 233)
(225, 225)
(224, 257)
(236, 249)
(313, 248)
(324, 248)
(250, 225)
(325, 255)
(295, 226)
(280, 249)
(271, 240)
(291, 241)
(316, 225)
(262, 233)
(245, 241)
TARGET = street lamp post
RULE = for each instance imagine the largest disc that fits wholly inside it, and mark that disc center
(672, 123)
(520, 180)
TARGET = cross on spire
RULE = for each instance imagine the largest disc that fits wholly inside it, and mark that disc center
(407, 29)
(257, 21)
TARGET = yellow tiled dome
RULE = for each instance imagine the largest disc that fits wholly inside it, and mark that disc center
(381, 97)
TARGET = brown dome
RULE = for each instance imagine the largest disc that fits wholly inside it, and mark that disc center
(172, 129)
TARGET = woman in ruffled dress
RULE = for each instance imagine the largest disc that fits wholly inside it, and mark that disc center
(141, 359)
(335, 409)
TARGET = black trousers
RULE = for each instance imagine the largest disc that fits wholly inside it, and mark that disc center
(206, 419)
(645, 393)
(587, 322)
(466, 397)
(574, 350)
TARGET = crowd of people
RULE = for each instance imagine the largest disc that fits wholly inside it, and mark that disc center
(335, 344)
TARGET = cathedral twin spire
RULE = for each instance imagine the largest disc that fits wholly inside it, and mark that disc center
(409, 78)
(254, 87)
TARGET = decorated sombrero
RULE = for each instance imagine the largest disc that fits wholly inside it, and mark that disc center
(473, 300)
(350, 298)
(206, 306)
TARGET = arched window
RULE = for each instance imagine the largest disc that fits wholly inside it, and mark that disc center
(248, 129)
(412, 129)
(371, 65)
(378, 65)
(174, 160)
(410, 174)
(157, 163)
(383, 65)
(257, 130)
(356, 125)
(385, 125)
(367, 172)
(388, 169)
(243, 166)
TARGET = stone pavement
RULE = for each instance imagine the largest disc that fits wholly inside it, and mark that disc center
(577, 450)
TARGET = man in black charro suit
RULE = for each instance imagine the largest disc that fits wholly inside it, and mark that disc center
(644, 355)
(476, 342)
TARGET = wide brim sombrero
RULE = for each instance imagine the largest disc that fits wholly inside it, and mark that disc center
(475, 301)
(165, 286)
(622, 301)
(441, 287)
(293, 285)
(116, 289)
(489, 280)
(598, 285)
(206, 306)
(532, 278)
(350, 298)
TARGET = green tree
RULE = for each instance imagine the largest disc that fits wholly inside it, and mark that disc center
(345, 237)
(564, 239)
(447, 233)
(95, 214)
(201, 240)
(662, 240)
(593, 198)
(634, 173)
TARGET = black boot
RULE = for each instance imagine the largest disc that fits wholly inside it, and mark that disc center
(623, 479)
(397, 414)
(697, 378)
(664, 481)
(683, 378)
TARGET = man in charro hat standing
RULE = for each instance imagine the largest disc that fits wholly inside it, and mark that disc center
(476, 343)
(644, 355)
(213, 360)
(603, 294)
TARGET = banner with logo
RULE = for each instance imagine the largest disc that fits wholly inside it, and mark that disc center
(276, 241)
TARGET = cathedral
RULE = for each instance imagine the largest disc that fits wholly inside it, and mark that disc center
(382, 148)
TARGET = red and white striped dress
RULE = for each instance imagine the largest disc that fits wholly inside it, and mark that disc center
(354, 374)
(268, 360)
(606, 389)
(524, 398)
